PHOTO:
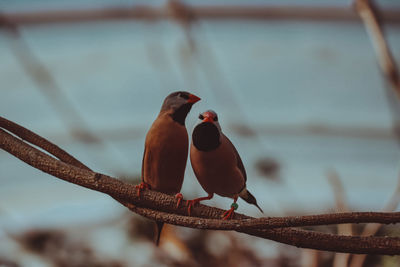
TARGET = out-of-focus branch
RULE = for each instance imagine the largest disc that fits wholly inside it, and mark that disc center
(42, 76)
(372, 228)
(214, 12)
(185, 16)
(388, 66)
(46, 83)
(162, 207)
(369, 15)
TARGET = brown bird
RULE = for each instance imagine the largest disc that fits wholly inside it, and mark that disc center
(166, 148)
(217, 164)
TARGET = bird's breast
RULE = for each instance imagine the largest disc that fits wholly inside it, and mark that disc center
(206, 137)
(165, 157)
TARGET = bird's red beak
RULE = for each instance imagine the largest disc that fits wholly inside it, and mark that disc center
(193, 99)
(208, 119)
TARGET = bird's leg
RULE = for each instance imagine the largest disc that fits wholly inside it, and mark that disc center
(141, 186)
(229, 213)
(192, 202)
(179, 197)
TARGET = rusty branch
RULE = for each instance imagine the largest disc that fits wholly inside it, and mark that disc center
(41, 142)
(162, 207)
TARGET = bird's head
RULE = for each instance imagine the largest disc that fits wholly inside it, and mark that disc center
(210, 116)
(207, 134)
(178, 105)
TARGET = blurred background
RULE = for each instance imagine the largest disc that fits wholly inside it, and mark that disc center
(297, 88)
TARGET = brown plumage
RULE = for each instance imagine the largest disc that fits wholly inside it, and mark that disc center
(217, 164)
(166, 148)
(218, 171)
(165, 155)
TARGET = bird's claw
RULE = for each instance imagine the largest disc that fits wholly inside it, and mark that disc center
(190, 204)
(228, 214)
(179, 197)
(141, 186)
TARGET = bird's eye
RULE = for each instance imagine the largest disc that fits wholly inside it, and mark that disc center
(184, 96)
(216, 118)
(201, 117)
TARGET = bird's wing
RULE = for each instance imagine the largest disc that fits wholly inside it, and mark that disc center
(239, 161)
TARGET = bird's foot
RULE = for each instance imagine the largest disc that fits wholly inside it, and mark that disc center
(179, 197)
(141, 186)
(191, 203)
(229, 213)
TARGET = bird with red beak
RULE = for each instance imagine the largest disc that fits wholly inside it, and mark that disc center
(166, 148)
(217, 164)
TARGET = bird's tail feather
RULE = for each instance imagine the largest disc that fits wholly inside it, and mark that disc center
(249, 198)
(159, 226)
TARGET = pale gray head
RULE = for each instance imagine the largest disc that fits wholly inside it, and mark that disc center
(178, 105)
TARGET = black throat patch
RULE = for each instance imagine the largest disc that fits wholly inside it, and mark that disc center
(206, 136)
(180, 114)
